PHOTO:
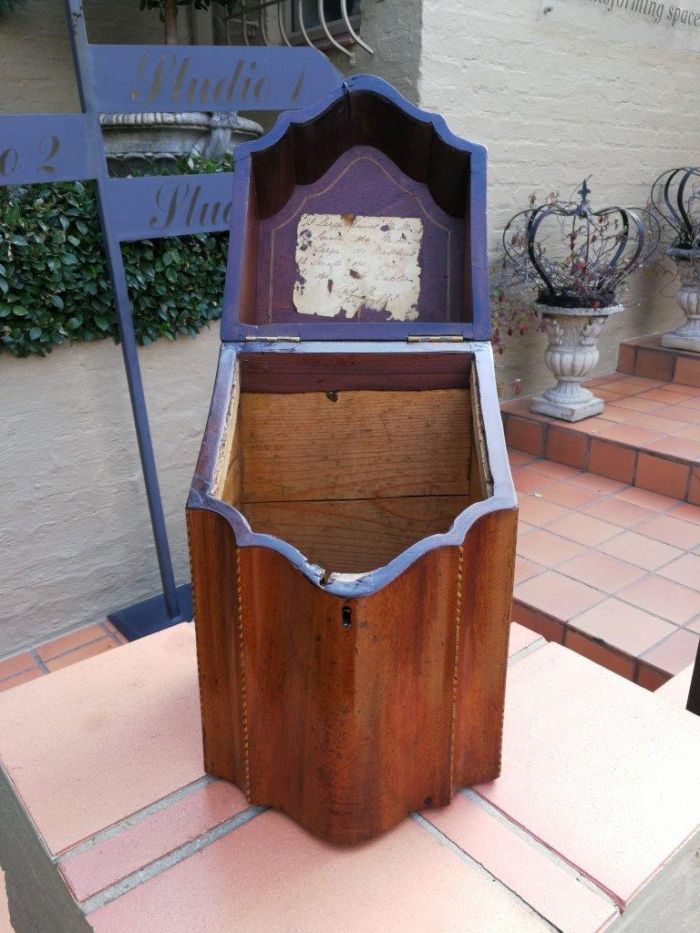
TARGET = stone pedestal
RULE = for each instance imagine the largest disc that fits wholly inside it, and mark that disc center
(687, 336)
(571, 355)
(140, 141)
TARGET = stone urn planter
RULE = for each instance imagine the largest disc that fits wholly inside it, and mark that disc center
(687, 336)
(578, 258)
(571, 356)
(136, 142)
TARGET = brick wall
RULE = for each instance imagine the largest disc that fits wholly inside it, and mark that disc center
(392, 28)
(36, 70)
(555, 104)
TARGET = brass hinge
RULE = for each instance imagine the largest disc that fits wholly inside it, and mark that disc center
(435, 338)
(251, 339)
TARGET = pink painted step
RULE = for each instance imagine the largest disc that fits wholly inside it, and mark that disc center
(593, 814)
(114, 733)
(676, 690)
(609, 543)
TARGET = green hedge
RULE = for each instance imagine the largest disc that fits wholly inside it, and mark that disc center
(54, 281)
(9, 6)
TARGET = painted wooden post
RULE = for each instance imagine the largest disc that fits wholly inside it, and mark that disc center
(137, 79)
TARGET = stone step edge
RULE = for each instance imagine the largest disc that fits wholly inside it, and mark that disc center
(645, 357)
(634, 465)
(594, 649)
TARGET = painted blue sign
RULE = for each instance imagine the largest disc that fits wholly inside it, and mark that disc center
(45, 148)
(166, 78)
(36, 149)
(138, 79)
(170, 205)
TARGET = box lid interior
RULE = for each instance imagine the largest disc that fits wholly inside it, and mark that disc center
(362, 218)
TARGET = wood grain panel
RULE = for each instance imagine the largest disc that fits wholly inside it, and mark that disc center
(216, 610)
(357, 535)
(341, 372)
(348, 714)
(232, 490)
(361, 445)
(350, 701)
(228, 479)
(303, 154)
(486, 613)
(480, 479)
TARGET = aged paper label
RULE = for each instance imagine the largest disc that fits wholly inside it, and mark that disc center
(347, 262)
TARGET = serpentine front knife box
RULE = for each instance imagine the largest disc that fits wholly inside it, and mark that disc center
(352, 519)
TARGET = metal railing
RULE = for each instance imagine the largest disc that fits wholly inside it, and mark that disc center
(251, 20)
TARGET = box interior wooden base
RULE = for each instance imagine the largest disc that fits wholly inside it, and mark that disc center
(353, 461)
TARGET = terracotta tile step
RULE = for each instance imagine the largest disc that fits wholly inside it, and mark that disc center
(77, 645)
(608, 570)
(645, 357)
(647, 436)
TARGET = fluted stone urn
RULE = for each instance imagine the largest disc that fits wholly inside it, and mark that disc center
(580, 257)
(687, 336)
(571, 356)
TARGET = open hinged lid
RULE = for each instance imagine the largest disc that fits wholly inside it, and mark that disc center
(360, 218)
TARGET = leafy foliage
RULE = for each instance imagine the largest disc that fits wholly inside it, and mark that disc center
(512, 309)
(231, 6)
(8, 6)
(54, 278)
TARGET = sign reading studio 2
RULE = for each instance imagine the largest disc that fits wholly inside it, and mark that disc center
(668, 25)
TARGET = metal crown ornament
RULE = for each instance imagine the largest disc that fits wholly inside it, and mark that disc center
(579, 256)
(675, 196)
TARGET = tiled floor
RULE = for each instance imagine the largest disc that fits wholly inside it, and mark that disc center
(646, 357)
(60, 652)
(616, 575)
(590, 815)
(609, 545)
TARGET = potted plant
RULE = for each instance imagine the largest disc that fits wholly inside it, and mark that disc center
(138, 141)
(576, 259)
(168, 10)
(675, 196)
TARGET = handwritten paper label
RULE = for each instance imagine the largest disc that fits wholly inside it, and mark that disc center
(347, 263)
